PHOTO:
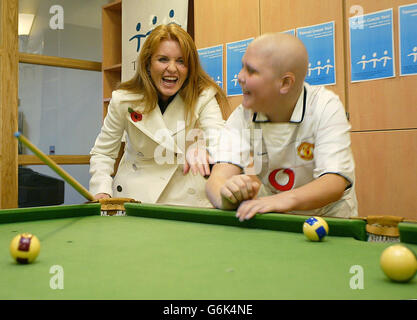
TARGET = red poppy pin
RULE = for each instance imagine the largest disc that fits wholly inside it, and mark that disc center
(134, 115)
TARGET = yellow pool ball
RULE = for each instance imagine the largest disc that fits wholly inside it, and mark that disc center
(399, 263)
(24, 248)
(315, 228)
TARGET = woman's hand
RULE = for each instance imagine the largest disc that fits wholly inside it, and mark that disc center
(197, 159)
(99, 196)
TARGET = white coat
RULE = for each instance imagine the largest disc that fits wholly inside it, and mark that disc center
(151, 168)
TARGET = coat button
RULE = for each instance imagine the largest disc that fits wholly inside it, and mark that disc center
(134, 167)
(191, 191)
(119, 188)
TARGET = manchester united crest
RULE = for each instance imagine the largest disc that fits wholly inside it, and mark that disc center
(306, 151)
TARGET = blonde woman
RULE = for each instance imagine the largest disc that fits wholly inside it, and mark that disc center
(171, 112)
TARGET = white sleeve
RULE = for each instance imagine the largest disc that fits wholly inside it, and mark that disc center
(211, 122)
(332, 148)
(234, 142)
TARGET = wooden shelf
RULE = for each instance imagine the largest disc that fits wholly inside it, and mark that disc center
(111, 80)
(28, 159)
(115, 6)
(116, 68)
(59, 62)
(112, 34)
(112, 56)
(112, 50)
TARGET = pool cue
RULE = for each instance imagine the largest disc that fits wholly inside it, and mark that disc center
(54, 166)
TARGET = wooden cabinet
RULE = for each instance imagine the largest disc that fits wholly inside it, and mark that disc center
(112, 56)
(386, 166)
(112, 49)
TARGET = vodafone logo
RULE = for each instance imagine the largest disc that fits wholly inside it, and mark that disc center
(282, 179)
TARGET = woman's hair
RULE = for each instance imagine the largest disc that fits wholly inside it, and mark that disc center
(197, 79)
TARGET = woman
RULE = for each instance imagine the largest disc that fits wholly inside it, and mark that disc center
(170, 111)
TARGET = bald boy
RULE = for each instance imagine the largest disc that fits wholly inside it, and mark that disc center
(286, 148)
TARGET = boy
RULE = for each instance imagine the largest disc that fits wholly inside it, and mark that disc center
(298, 136)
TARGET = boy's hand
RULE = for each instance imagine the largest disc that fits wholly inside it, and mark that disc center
(237, 189)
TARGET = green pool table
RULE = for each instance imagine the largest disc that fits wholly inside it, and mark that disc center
(164, 253)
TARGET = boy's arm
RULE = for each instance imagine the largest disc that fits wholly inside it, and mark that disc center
(320, 192)
(313, 195)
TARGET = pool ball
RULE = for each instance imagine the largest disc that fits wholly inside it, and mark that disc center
(399, 263)
(24, 248)
(315, 228)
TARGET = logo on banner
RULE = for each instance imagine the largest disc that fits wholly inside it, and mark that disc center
(374, 60)
(153, 22)
(413, 54)
(319, 68)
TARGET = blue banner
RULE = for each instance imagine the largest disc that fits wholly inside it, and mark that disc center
(372, 46)
(234, 54)
(319, 41)
(408, 39)
(212, 62)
